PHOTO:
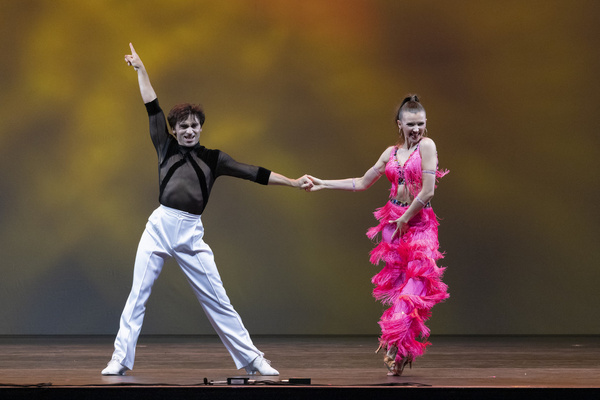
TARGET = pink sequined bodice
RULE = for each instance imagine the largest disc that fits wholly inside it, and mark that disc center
(410, 174)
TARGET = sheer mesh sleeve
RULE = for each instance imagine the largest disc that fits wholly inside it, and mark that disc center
(226, 165)
(159, 133)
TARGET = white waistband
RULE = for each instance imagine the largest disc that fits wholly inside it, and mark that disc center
(178, 213)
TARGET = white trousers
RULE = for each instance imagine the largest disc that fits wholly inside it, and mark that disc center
(173, 233)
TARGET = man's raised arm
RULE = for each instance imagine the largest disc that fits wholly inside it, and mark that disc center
(146, 89)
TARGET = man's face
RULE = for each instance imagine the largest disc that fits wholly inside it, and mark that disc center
(188, 131)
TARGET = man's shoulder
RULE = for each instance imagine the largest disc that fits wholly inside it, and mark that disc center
(209, 156)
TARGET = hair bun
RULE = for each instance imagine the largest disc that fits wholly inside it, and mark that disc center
(410, 103)
(411, 98)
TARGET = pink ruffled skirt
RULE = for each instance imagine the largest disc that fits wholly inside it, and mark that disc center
(410, 282)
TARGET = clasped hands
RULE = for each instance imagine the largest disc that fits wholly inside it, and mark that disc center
(310, 184)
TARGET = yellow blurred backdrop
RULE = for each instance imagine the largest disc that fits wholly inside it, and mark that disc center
(301, 86)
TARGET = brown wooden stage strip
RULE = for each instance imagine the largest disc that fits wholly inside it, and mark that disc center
(463, 365)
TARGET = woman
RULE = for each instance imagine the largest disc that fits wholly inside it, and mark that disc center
(410, 282)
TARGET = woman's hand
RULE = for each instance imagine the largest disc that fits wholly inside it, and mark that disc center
(317, 184)
(401, 227)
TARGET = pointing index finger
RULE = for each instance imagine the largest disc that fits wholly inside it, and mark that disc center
(132, 49)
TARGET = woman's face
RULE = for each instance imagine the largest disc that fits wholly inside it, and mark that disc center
(412, 126)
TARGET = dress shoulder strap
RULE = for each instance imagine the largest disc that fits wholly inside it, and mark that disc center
(393, 153)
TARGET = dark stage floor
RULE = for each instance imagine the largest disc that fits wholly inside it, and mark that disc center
(340, 366)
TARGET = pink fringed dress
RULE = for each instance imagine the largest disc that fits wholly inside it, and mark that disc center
(410, 282)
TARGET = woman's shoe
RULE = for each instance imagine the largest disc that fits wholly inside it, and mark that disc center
(399, 367)
(389, 359)
(396, 367)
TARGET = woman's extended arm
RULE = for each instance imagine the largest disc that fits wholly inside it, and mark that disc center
(146, 89)
(355, 184)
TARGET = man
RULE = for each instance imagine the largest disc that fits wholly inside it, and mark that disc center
(187, 172)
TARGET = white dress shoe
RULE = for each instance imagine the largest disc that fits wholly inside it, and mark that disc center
(262, 366)
(114, 368)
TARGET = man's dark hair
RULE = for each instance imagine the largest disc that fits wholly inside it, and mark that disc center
(180, 112)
